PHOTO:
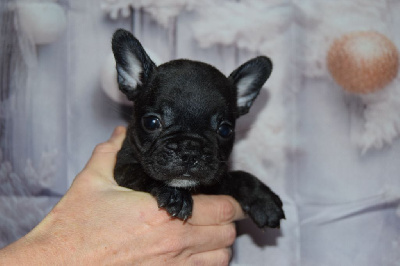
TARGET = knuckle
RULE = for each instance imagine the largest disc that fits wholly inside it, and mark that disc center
(198, 262)
(220, 257)
(227, 210)
(225, 257)
(83, 179)
(173, 245)
(105, 147)
(230, 234)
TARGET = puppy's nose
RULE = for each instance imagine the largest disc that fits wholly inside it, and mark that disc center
(190, 155)
(189, 159)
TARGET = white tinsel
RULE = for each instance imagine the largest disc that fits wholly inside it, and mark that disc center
(250, 24)
(162, 11)
(379, 122)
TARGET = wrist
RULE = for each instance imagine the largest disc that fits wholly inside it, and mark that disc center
(35, 248)
(21, 252)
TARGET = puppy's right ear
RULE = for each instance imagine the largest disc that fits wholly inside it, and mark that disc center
(134, 66)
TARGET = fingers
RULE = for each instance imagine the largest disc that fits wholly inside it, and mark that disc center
(104, 155)
(215, 257)
(206, 238)
(215, 210)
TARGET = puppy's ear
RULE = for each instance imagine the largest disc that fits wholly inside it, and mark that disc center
(248, 79)
(134, 66)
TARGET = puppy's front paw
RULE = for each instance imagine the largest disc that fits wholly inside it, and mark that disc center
(177, 202)
(266, 210)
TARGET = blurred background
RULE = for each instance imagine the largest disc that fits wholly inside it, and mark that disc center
(323, 133)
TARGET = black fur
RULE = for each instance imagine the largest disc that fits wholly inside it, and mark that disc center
(182, 131)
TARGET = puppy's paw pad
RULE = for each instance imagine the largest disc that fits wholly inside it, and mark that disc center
(266, 211)
(266, 214)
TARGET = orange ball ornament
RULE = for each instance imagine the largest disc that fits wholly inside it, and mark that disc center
(363, 62)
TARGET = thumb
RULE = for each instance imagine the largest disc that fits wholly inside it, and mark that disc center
(104, 155)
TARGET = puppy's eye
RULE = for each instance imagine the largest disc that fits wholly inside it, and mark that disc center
(225, 130)
(151, 123)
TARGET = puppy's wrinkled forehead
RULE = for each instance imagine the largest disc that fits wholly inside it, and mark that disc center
(191, 88)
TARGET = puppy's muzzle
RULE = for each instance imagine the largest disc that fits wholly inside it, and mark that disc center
(184, 158)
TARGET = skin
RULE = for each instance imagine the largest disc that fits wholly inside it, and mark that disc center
(98, 222)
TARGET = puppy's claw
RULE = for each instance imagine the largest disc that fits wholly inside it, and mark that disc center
(178, 203)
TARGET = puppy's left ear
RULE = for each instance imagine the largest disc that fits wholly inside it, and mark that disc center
(249, 79)
(134, 66)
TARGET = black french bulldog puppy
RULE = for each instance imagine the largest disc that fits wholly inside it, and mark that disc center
(182, 131)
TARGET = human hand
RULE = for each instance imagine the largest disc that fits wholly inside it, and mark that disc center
(99, 222)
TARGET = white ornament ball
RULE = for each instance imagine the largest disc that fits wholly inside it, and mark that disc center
(42, 21)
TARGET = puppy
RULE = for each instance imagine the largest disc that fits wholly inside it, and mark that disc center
(182, 131)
